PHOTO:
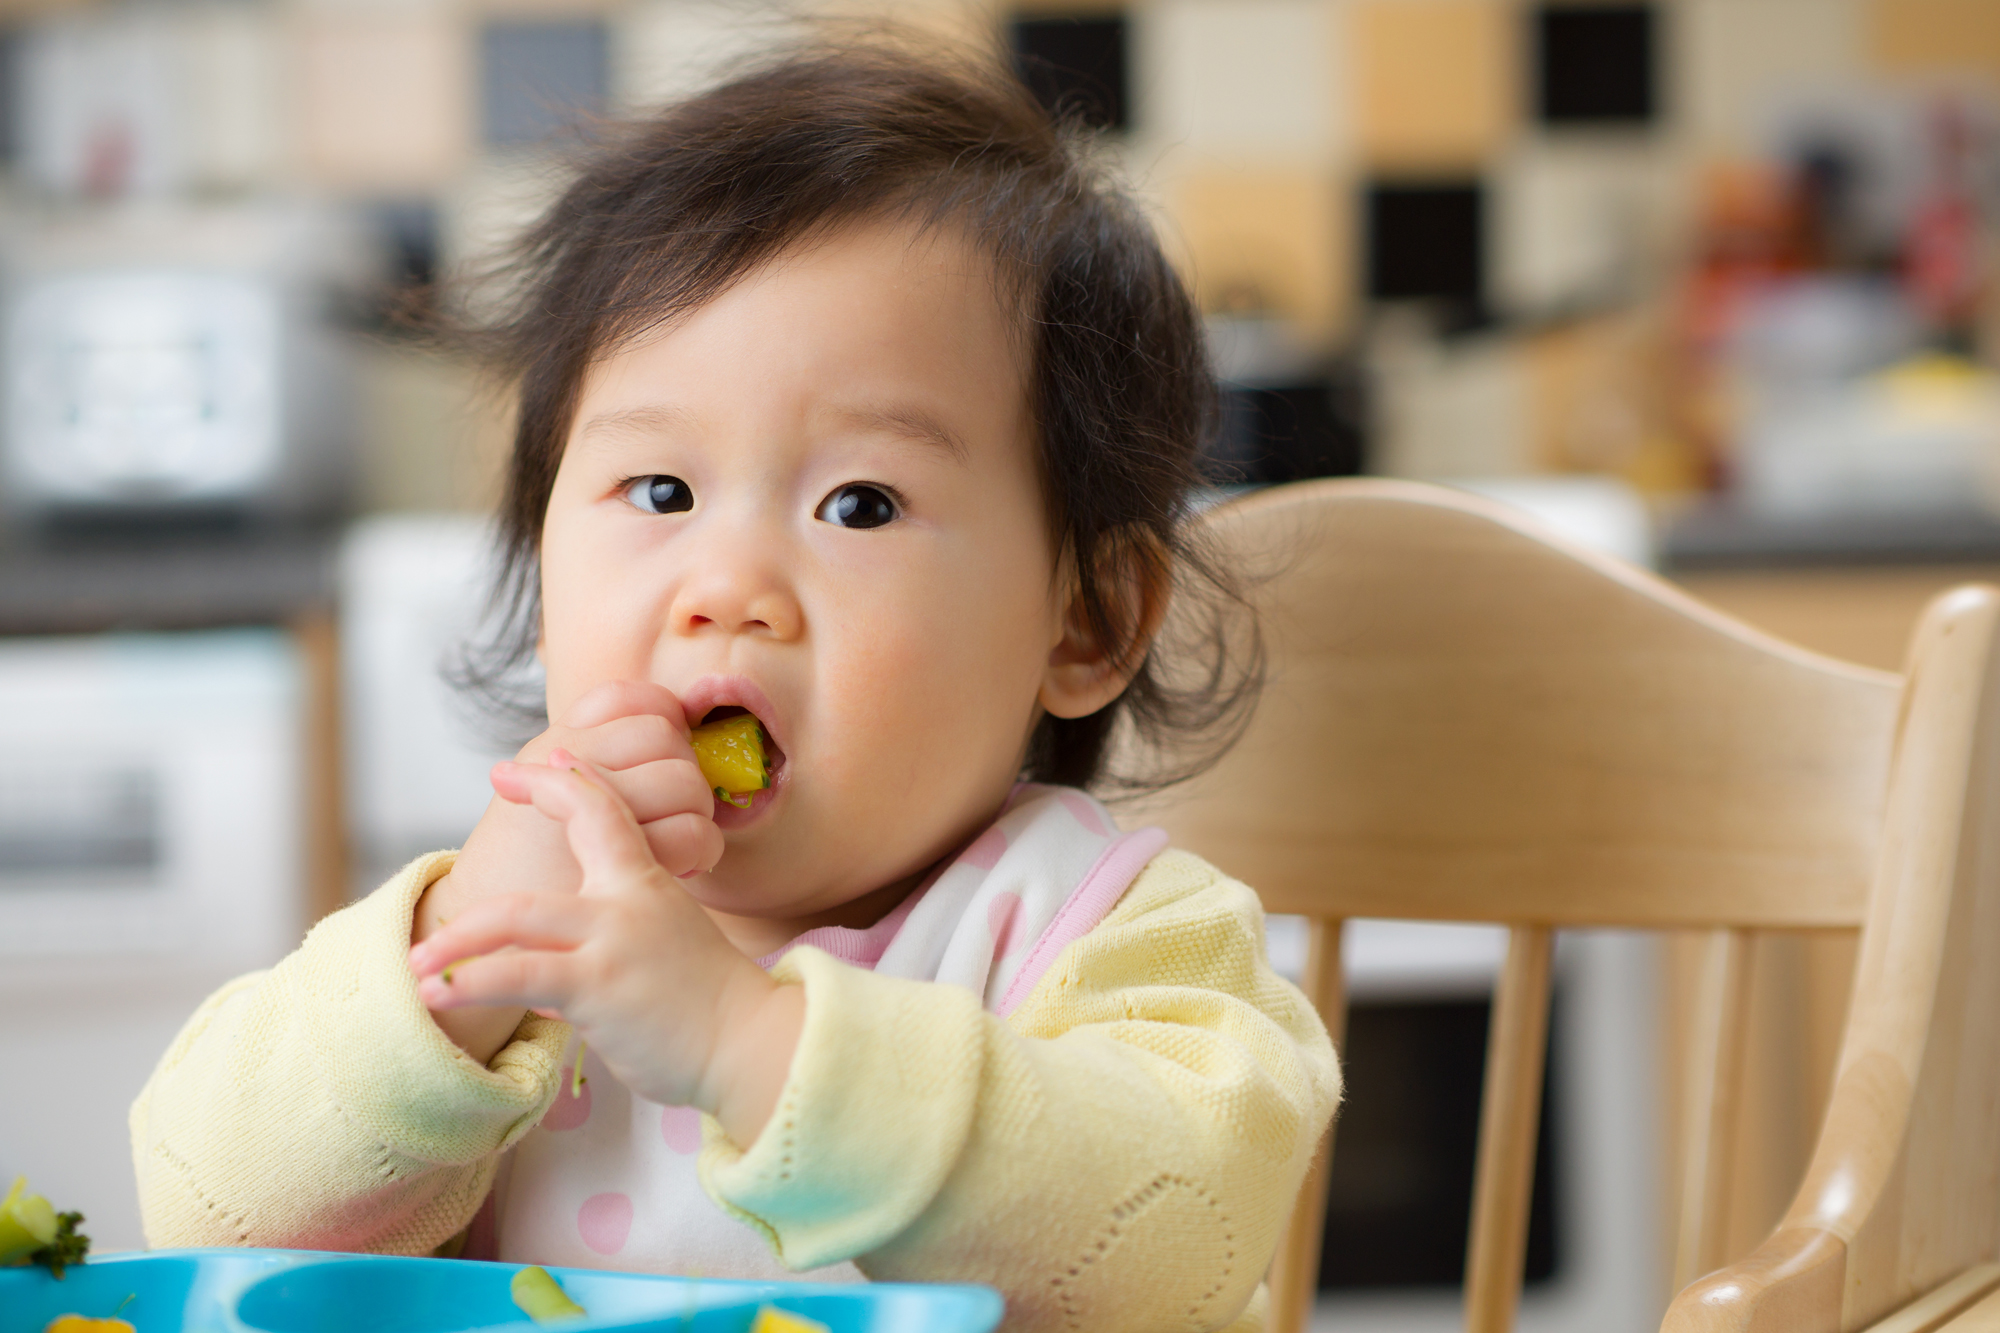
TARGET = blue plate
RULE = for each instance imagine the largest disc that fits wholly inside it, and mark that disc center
(305, 1291)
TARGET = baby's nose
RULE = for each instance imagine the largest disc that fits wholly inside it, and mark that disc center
(738, 597)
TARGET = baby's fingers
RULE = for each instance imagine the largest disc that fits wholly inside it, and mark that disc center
(685, 844)
(517, 979)
(521, 920)
(626, 698)
(603, 835)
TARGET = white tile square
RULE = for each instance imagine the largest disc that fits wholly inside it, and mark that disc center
(1239, 78)
(1733, 59)
(667, 49)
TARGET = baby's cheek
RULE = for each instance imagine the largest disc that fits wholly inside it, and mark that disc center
(928, 740)
(899, 721)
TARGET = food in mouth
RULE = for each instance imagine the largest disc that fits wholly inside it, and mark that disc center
(734, 756)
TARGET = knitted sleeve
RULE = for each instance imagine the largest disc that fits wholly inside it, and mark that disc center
(317, 1105)
(1120, 1153)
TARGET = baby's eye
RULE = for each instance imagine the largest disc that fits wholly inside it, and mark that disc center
(660, 495)
(857, 506)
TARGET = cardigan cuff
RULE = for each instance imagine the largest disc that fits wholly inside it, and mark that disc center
(874, 1114)
(388, 1067)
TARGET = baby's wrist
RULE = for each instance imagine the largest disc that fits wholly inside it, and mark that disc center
(435, 906)
(752, 1057)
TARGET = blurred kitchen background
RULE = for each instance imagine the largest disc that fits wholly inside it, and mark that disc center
(1706, 283)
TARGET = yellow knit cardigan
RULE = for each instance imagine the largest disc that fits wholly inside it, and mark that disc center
(1119, 1153)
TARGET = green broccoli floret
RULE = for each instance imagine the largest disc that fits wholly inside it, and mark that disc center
(69, 1247)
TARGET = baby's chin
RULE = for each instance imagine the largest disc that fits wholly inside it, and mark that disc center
(773, 893)
(753, 888)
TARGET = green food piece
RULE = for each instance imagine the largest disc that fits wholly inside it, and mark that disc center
(27, 1223)
(576, 1078)
(32, 1231)
(541, 1298)
(69, 1247)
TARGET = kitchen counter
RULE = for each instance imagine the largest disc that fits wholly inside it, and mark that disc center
(1717, 535)
(160, 577)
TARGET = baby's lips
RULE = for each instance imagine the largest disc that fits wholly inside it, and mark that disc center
(703, 696)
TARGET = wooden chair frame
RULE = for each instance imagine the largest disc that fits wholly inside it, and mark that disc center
(1471, 720)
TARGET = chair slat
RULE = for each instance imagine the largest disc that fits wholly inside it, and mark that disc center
(1714, 1091)
(1295, 1270)
(1509, 1114)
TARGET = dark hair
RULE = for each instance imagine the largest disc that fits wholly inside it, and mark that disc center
(669, 211)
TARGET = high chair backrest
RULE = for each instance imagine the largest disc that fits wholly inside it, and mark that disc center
(1469, 720)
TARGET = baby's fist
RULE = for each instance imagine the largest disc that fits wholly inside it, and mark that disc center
(635, 734)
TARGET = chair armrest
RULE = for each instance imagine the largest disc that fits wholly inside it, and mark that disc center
(1789, 1284)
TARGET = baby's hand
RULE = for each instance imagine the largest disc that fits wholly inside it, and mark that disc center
(672, 1008)
(635, 734)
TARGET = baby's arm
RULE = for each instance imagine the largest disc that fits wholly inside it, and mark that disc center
(1121, 1153)
(317, 1105)
(320, 1105)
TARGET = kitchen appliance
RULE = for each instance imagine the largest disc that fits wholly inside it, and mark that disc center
(163, 358)
(150, 849)
(1401, 1184)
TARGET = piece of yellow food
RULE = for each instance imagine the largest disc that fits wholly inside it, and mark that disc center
(770, 1319)
(76, 1323)
(732, 759)
(27, 1223)
(541, 1298)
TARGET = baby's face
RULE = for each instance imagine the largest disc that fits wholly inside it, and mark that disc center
(816, 498)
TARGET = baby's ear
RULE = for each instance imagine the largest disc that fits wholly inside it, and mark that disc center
(1096, 655)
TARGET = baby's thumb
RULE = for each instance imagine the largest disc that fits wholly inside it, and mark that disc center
(602, 833)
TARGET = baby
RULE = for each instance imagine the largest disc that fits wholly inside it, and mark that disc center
(850, 399)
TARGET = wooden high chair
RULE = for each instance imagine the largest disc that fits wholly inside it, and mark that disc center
(1469, 720)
